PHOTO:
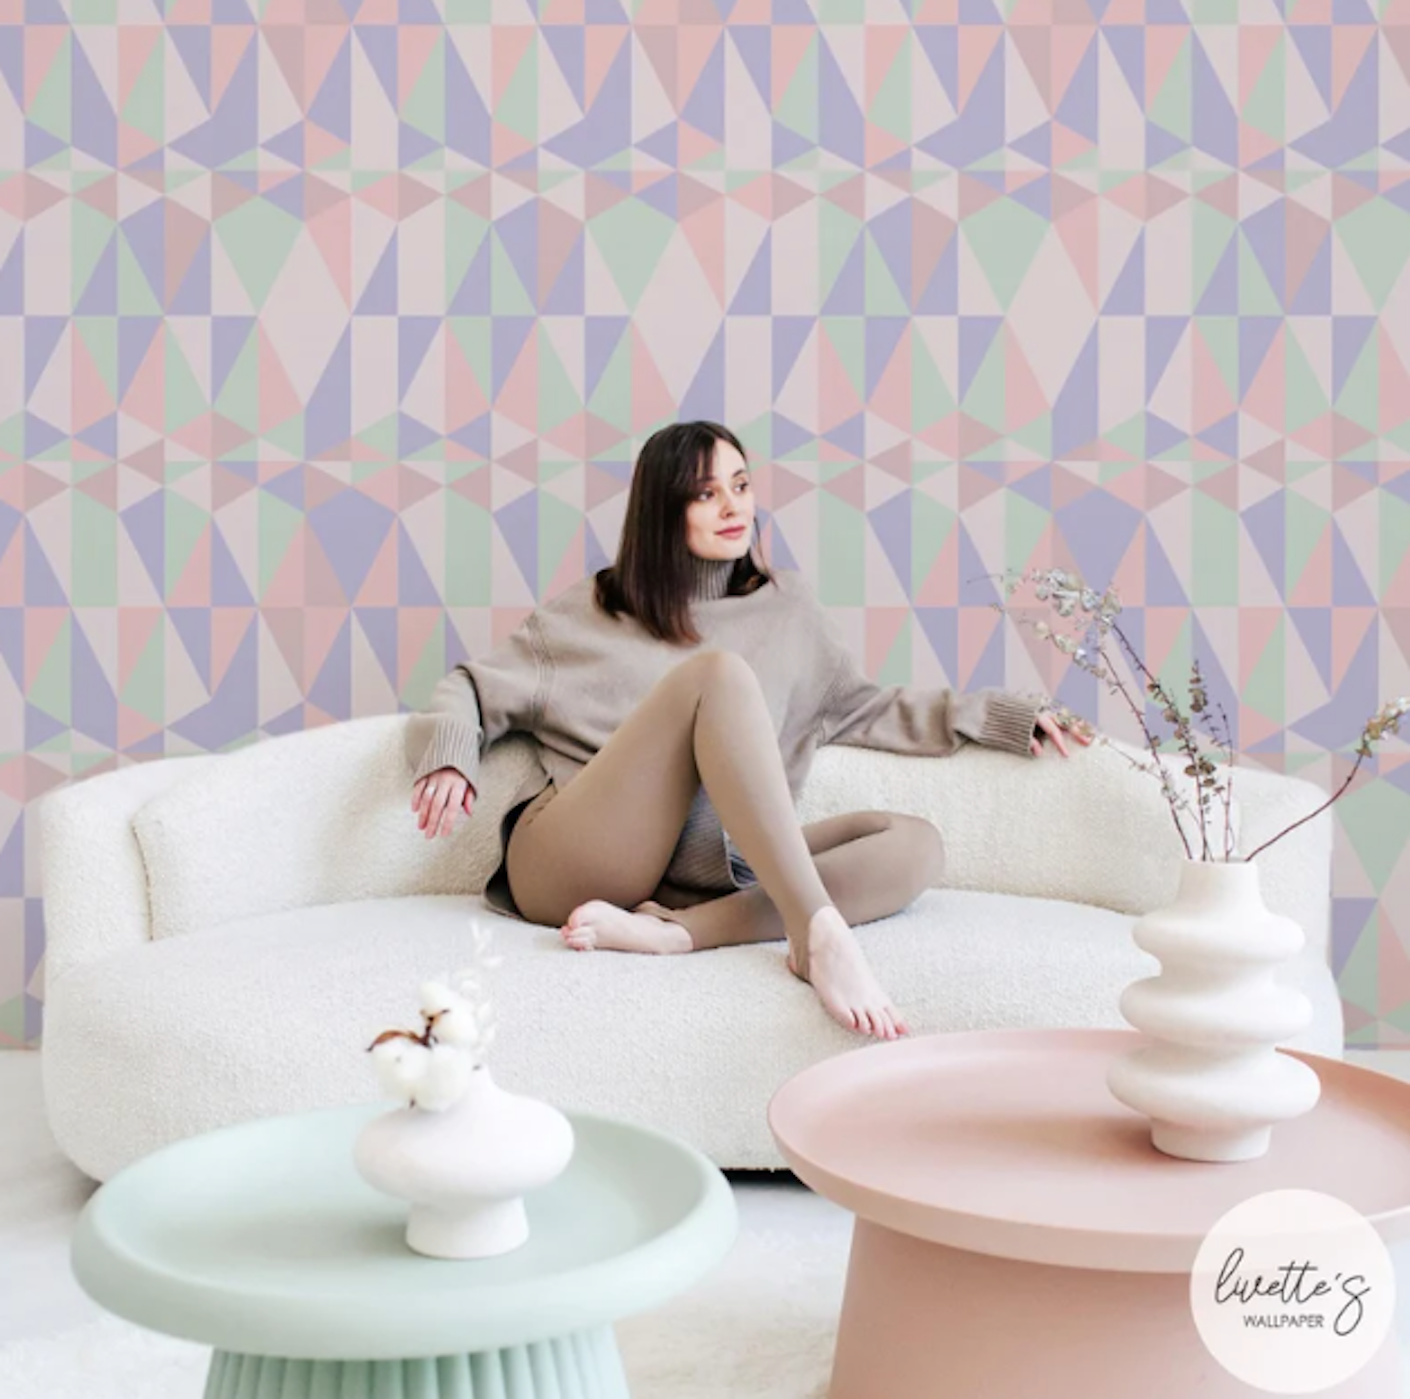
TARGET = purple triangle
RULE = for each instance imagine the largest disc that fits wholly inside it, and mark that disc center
(787, 436)
(414, 145)
(39, 145)
(379, 296)
(1214, 124)
(94, 703)
(1078, 108)
(1037, 144)
(891, 524)
(941, 627)
(754, 44)
(414, 336)
(661, 195)
(518, 524)
(850, 435)
(328, 417)
(193, 296)
(331, 107)
(12, 863)
(606, 129)
(790, 334)
(379, 44)
(841, 125)
(379, 626)
(601, 336)
(1098, 529)
(976, 335)
(474, 435)
(1264, 524)
(287, 195)
(883, 334)
(594, 557)
(351, 527)
(100, 296)
(417, 12)
(289, 722)
(12, 61)
(414, 585)
(518, 233)
(1221, 294)
(93, 128)
(40, 727)
(1398, 144)
(754, 296)
(976, 588)
(153, 743)
(12, 279)
(413, 436)
(791, 12)
(848, 296)
(1037, 196)
(705, 107)
(228, 587)
(940, 44)
(145, 523)
(1349, 337)
(979, 128)
(193, 626)
(1266, 232)
(1349, 587)
(567, 44)
(1166, 12)
(41, 336)
(192, 43)
(233, 129)
(1161, 436)
(662, 145)
(705, 398)
(1161, 145)
(1075, 413)
(1354, 128)
(1036, 486)
(941, 294)
(472, 297)
(231, 12)
(11, 623)
(145, 232)
(101, 435)
(1314, 628)
(1128, 293)
(233, 712)
(1314, 296)
(1127, 43)
(605, 12)
(1163, 334)
(788, 145)
(9, 526)
(331, 690)
(288, 486)
(507, 337)
(1314, 47)
(568, 294)
(1222, 435)
(891, 231)
(1256, 334)
(40, 436)
(1351, 918)
(1163, 586)
(1399, 195)
(228, 337)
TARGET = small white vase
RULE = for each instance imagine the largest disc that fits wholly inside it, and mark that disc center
(1211, 1080)
(466, 1169)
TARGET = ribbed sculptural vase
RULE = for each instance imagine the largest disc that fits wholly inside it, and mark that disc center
(1210, 1077)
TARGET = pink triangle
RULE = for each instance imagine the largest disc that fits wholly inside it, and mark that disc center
(652, 402)
(227, 486)
(778, 487)
(229, 627)
(321, 586)
(601, 435)
(331, 231)
(1024, 399)
(884, 625)
(1394, 382)
(286, 587)
(383, 486)
(572, 567)
(42, 43)
(788, 45)
(1314, 586)
(228, 45)
(321, 628)
(892, 399)
(286, 627)
(523, 460)
(134, 728)
(518, 399)
(1316, 436)
(415, 627)
(90, 396)
(603, 42)
(193, 587)
(1079, 230)
(380, 588)
(101, 487)
(475, 487)
(1254, 728)
(145, 398)
(415, 44)
(837, 397)
(976, 46)
(977, 626)
(940, 588)
(1352, 624)
(278, 399)
(42, 626)
(1265, 399)
(1212, 399)
(849, 486)
(705, 232)
(411, 486)
(12, 572)
(895, 461)
(570, 435)
(1129, 579)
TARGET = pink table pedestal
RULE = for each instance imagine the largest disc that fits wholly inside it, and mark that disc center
(1019, 1237)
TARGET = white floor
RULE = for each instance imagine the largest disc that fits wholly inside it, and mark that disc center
(41, 1195)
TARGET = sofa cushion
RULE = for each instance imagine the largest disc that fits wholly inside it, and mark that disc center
(274, 1014)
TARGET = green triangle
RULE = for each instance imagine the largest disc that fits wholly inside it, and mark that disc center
(469, 564)
(257, 237)
(278, 524)
(1266, 690)
(1221, 338)
(1214, 575)
(99, 336)
(842, 542)
(1305, 400)
(287, 437)
(1024, 523)
(838, 232)
(12, 1021)
(425, 105)
(798, 108)
(1393, 521)
(1170, 107)
(184, 400)
(883, 296)
(1304, 524)
(381, 436)
(508, 294)
(51, 107)
(1375, 816)
(1211, 233)
(847, 335)
(12, 437)
(430, 667)
(465, 232)
(984, 398)
(1376, 238)
(145, 108)
(1005, 239)
(932, 524)
(931, 399)
(184, 525)
(52, 691)
(1360, 976)
(90, 233)
(1257, 295)
(558, 523)
(519, 106)
(145, 690)
(238, 398)
(135, 294)
(891, 111)
(472, 334)
(630, 239)
(1036, 436)
(896, 668)
(1360, 396)
(611, 397)
(1265, 110)
(557, 396)
(94, 572)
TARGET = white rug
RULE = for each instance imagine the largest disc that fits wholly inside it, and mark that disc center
(760, 1326)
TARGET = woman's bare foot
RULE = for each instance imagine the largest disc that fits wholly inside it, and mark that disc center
(844, 982)
(598, 924)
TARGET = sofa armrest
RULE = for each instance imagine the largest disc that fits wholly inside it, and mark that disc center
(1295, 874)
(92, 877)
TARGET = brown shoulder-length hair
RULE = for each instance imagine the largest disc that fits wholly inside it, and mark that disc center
(654, 572)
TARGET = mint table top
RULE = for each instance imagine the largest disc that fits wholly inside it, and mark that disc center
(263, 1239)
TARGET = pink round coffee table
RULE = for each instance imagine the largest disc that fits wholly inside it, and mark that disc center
(1017, 1234)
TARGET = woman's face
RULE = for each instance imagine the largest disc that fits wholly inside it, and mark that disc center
(719, 521)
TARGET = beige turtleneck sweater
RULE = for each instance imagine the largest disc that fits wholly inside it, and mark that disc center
(570, 674)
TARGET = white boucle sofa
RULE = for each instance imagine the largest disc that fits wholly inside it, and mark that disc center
(227, 933)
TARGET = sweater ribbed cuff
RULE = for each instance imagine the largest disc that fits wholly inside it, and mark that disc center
(453, 745)
(1009, 722)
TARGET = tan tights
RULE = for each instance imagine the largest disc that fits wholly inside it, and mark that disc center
(611, 832)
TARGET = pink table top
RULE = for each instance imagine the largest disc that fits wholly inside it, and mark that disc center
(1008, 1142)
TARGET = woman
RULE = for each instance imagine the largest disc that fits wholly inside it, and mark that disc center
(680, 695)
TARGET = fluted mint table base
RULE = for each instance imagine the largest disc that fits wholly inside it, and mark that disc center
(584, 1365)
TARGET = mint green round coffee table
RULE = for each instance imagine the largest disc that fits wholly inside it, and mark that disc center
(262, 1241)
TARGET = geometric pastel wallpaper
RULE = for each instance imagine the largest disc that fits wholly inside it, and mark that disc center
(329, 330)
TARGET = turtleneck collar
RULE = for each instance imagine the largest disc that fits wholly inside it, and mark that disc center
(709, 578)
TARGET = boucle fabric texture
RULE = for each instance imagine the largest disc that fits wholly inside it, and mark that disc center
(571, 674)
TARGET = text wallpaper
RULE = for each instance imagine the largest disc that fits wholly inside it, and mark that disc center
(329, 330)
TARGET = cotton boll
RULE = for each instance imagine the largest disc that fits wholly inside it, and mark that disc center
(457, 1026)
(401, 1066)
(436, 996)
(447, 1078)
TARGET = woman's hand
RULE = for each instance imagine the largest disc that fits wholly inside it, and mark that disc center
(437, 797)
(1048, 724)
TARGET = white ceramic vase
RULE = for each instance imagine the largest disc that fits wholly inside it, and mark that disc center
(466, 1169)
(1210, 1078)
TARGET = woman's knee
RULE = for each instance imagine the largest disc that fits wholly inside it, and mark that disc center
(924, 850)
(708, 670)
